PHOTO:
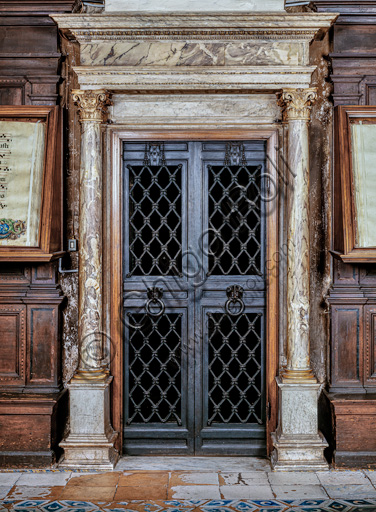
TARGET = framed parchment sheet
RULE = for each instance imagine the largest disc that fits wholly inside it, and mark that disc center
(30, 183)
(355, 184)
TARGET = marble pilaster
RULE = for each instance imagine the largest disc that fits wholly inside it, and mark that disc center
(297, 442)
(91, 438)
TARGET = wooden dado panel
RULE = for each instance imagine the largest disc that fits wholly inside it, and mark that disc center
(22, 432)
(354, 429)
(13, 345)
(42, 330)
(347, 347)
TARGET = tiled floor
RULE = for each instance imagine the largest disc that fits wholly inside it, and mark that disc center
(188, 484)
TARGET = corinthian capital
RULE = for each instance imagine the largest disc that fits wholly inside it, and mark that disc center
(92, 105)
(297, 103)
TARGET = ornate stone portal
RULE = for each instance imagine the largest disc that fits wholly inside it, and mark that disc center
(91, 439)
(195, 71)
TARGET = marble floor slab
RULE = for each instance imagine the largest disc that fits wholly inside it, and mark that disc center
(193, 463)
(191, 484)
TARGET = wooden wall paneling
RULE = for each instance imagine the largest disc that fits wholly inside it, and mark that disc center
(353, 61)
(13, 345)
(354, 420)
(347, 348)
(31, 426)
(345, 275)
(43, 327)
(33, 407)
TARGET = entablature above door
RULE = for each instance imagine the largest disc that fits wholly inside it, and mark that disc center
(139, 52)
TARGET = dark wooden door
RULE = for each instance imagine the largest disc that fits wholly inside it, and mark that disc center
(194, 298)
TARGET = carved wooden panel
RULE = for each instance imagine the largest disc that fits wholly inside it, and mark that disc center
(347, 347)
(12, 344)
(14, 273)
(42, 333)
(367, 89)
(14, 90)
(345, 275)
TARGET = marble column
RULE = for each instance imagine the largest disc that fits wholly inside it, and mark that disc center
(298, 445)
(91, 438)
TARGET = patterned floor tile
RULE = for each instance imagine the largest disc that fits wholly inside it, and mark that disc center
(87, 505)
(193, 505)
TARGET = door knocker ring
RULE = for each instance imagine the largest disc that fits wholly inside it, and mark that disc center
(155, 295)
(235, 296)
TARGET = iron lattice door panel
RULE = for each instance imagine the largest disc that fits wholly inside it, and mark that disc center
(194, 298)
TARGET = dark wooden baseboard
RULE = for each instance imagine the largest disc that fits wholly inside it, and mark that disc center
(31, 427)
(27, 459)
(355, 460)
(353, 420)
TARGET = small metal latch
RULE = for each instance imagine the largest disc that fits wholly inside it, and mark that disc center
(72, 245)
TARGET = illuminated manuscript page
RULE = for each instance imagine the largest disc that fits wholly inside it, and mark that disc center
(21, 179)
(364, 169)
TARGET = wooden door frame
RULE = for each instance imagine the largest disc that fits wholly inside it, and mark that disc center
(113, 254)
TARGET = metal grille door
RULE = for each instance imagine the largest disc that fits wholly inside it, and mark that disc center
(194, 298)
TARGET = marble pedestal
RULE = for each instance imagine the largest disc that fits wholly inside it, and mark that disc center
(298, 445)
(90, 443)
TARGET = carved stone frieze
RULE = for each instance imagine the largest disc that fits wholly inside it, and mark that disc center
(297, 103)
(92, 105)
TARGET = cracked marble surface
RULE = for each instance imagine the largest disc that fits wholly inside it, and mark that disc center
(204, 484)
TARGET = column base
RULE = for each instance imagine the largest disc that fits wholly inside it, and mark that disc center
(298, 444)
(89, 452)
(90, 443)
(299, 453)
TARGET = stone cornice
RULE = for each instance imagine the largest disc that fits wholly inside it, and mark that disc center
(199, 26)
(188, 78)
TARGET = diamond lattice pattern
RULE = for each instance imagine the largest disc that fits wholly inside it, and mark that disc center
(154, 368)
(235, 370)
(155, 210)
(234, 220)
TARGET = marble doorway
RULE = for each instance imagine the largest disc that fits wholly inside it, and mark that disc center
(124, 94)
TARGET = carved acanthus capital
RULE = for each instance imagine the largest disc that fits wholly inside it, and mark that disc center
(297, 103)
(92, 105)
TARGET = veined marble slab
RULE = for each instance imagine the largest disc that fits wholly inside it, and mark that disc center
(194, 5)
(179, 53)
(239, 108)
